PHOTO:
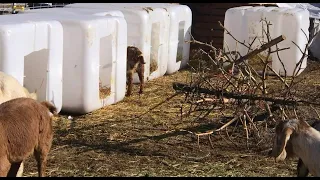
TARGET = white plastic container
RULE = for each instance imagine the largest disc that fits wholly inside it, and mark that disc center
(147, 30)
(244, 24)
(98, 12)
(234, 18)
(179, 32)
(94, 53)
(31, 51)
(179, 35)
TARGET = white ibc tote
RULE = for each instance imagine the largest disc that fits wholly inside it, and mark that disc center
(97, 12)
(31, 51)
(179, 33)
(94, 60)
(147, 30)
(245, 24)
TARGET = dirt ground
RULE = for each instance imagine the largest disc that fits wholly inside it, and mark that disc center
(114, 141)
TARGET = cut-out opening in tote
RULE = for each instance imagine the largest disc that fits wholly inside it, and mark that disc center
(105, 68)
(155, 44)
(181, 41)
(35, 73)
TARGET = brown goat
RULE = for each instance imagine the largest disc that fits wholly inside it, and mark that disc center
(26, 128)
(10, 88)
(297, 138)
(135, 63)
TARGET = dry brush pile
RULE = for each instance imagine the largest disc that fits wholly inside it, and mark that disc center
(243, 93)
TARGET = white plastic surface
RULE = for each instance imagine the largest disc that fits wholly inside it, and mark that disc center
(313, 8)
(98, 12)
(179, 33)
(94, 50)
(151, 41)
(234, 18)
(31, 51)
(244, 24)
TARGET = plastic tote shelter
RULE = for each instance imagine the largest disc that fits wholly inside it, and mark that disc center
(245, 24)
(148, 30)
(31, 51)
(179, 33)
(314, 10)
(97, 12)
(94, 60)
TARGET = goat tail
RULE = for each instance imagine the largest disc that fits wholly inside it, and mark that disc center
(50, 107)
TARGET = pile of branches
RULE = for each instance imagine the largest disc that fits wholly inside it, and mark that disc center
(255, 96)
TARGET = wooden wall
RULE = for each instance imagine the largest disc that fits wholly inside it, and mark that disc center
(205, 17)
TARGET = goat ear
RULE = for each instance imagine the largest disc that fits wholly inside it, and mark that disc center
(141, 59)
(280, 146)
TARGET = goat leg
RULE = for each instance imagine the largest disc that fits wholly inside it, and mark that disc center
(141, 77)
(16, 170)
(41, 159)
(41, 155)
(4, 167)
(302, 170)
(130, 81)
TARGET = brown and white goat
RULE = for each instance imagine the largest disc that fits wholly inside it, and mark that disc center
(297, 138)
(135, 63)
(302, 169)
(25, 128)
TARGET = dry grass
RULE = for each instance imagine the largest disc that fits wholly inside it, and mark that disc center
(114, 141)
(104, 91)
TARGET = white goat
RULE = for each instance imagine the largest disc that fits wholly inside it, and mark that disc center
(297, 138)
(10, 88)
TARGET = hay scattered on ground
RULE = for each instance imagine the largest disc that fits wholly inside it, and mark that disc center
(115, 141)
(104, 91)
